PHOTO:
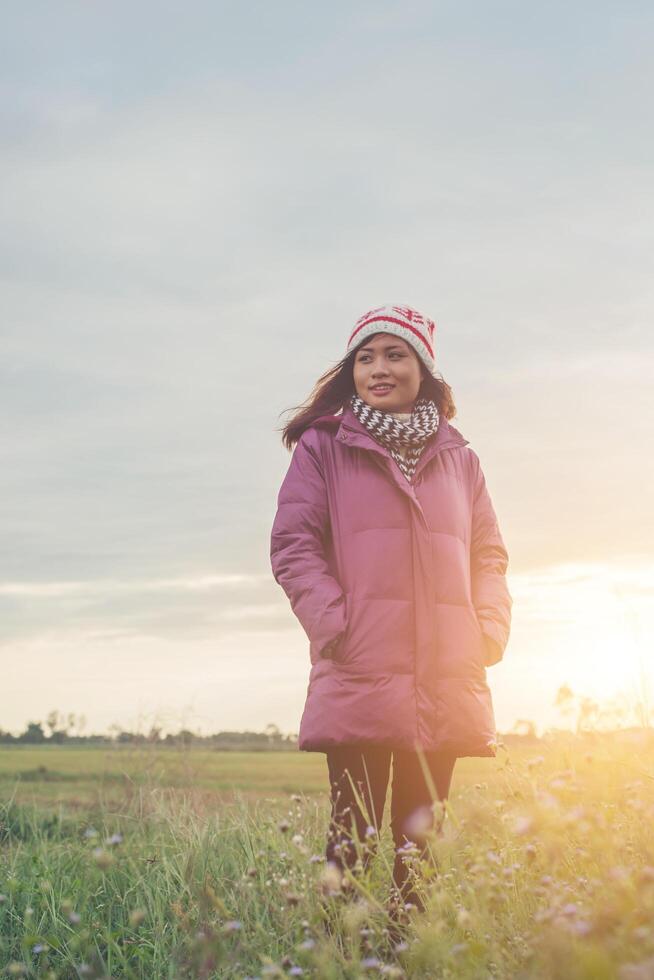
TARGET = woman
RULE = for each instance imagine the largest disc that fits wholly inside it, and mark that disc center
(387, 546)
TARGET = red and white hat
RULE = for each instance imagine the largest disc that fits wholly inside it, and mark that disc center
(401, 321)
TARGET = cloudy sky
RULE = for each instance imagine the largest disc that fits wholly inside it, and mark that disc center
(197, 203)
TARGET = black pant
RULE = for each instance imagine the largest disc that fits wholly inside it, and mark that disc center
(411, 804)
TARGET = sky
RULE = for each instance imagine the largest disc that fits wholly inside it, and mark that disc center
(197, 203)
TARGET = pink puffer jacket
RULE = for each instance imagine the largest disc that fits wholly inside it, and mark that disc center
(413, 577)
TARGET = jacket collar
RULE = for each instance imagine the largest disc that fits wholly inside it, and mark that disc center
(352, 432)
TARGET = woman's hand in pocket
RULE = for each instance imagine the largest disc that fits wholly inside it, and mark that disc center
(333, 645)
(492, 651)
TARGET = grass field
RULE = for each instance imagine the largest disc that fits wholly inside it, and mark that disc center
(157, 863)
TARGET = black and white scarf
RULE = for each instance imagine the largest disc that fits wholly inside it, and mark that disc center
(394, 433)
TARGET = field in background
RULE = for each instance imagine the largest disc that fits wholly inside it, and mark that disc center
(157, 863)
(80, 777)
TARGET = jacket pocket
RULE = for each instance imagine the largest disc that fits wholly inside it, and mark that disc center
(338, 650)
(480, 649)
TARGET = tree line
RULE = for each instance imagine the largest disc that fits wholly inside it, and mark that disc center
(68, 730)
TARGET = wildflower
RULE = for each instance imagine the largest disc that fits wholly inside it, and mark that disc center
(232, 925)
(371, 963)
(307, 943)
(39, 947)
(637, 971)
(371, 831)
(297, 839)
(645, 875)
(523, 825)
(296, 971)
(316, 859)
(74, 918)
(90, 832)
(463, 917)
(331, 879)
(576, 814)
(136, 917)
(102, 858)
(420, 821)
(114, 839)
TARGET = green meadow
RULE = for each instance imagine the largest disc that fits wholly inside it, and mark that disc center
(151, 862)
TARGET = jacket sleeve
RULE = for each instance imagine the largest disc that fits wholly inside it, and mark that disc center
(297, 548)
(488, 564)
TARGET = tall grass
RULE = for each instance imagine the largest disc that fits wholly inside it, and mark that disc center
(545, 869)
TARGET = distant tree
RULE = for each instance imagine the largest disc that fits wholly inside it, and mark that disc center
(588, 713)
(59, 726)
(33, 733)
(525, 727)
(564, 700)
(273, 733)
(52, 720)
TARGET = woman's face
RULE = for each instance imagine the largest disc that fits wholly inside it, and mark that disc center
(385, 360)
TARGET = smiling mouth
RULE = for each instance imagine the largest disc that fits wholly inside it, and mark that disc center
(382, 387)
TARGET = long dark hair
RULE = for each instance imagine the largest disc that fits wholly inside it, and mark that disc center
(334, 388)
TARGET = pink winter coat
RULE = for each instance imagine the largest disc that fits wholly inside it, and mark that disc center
(413, 577)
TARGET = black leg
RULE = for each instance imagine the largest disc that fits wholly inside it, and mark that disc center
(369, 768)
(412, 816)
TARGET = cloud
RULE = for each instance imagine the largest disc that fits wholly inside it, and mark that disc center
(104, 587)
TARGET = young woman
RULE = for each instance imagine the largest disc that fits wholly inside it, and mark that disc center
(387, 545)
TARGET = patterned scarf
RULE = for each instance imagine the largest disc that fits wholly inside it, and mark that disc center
(393, 433)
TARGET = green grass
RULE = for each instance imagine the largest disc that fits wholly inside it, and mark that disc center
(70, 774)
(544, 868)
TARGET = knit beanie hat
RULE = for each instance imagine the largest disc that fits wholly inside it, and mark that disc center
(401, 321)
